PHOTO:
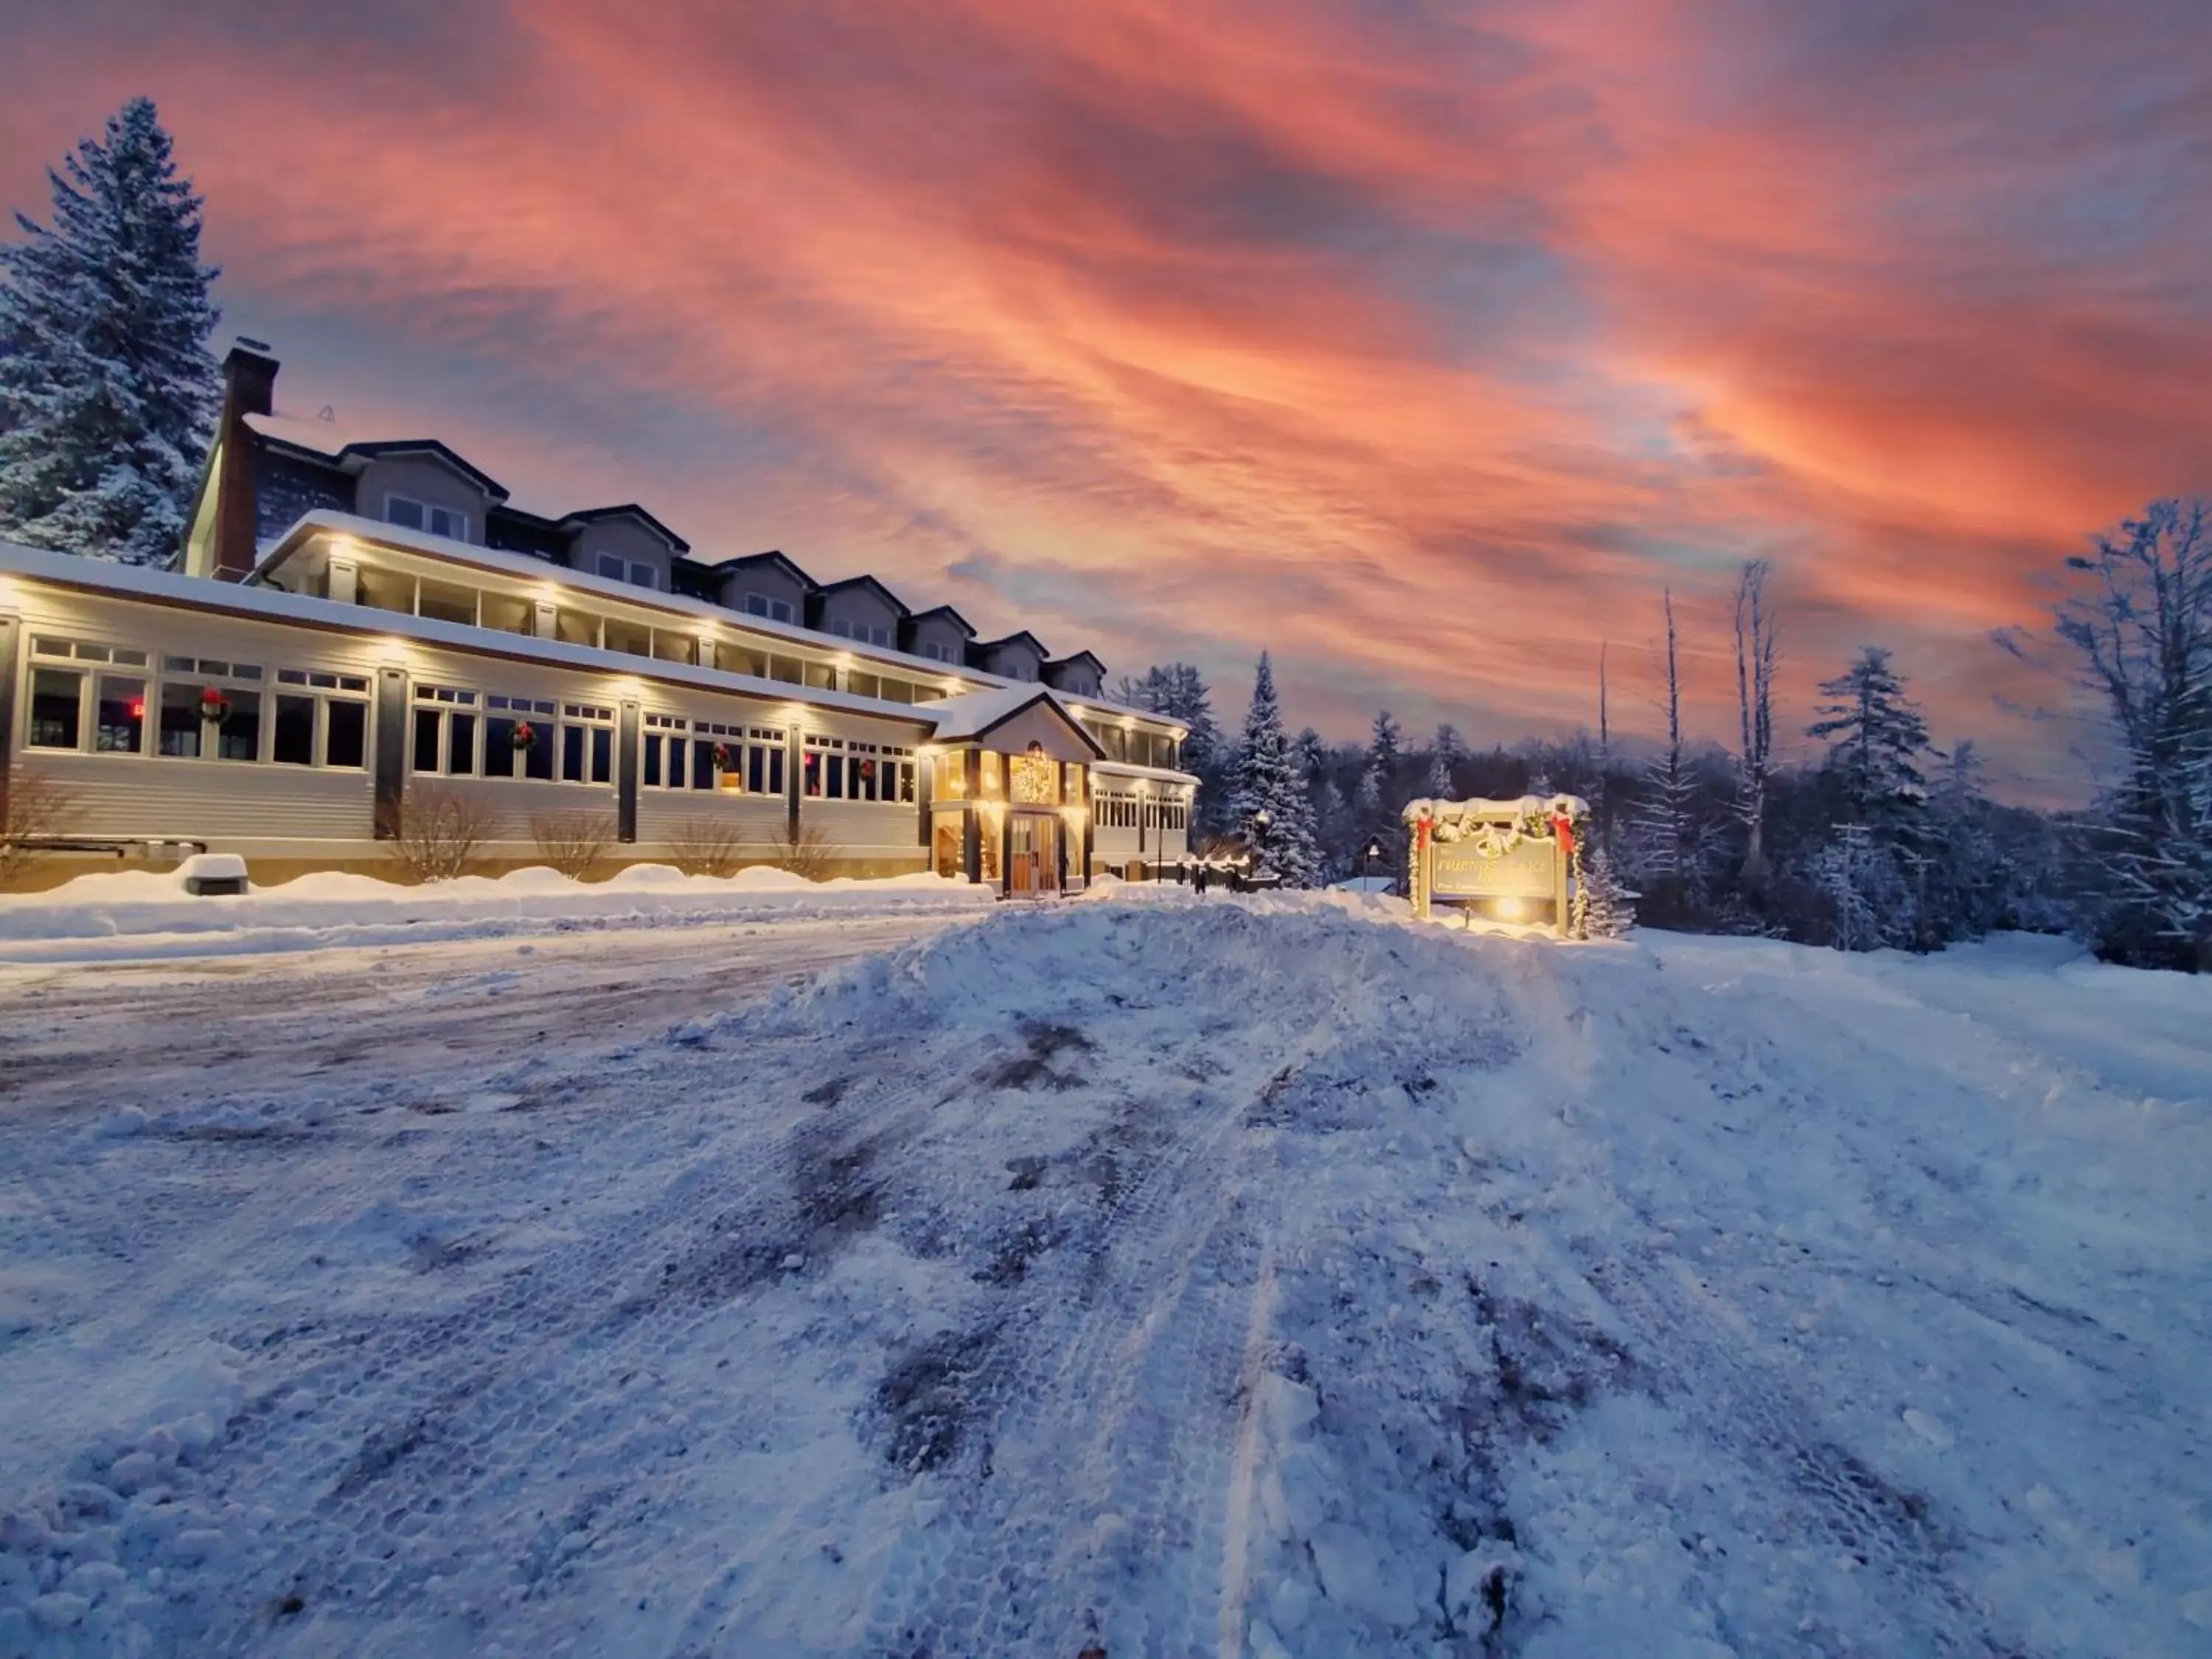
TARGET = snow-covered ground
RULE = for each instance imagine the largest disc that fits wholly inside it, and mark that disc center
(135, 915)
(1264, 1276)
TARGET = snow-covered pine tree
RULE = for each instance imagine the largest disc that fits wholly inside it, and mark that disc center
(1878, 739)
(1269, 778)
(1439, 786)
(107, 389)
(1609, 907)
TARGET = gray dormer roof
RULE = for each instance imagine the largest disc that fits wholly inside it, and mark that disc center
(358, 455)
(629, 510)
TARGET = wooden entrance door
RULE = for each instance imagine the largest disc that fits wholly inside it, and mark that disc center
(1032, 862)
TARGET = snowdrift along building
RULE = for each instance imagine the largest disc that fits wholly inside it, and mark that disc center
(352, 636)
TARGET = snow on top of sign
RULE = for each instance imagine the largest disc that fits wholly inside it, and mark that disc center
(1570, 807)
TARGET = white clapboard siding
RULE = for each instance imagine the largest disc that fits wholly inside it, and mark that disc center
(757, 820)
(865, 829)
(258, 811)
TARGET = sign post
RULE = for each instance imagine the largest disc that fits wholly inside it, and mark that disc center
(1507, 861)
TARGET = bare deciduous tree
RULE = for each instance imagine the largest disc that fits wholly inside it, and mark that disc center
(1755, 659)
(439, 831)
(805, 852)
(573, 841)
(707, 845)
(32, 808)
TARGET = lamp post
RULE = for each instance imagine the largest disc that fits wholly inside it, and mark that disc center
(1261, 820)
(1368, 854)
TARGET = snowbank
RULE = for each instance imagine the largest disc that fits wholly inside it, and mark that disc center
(1268, 1277)
(137, 913)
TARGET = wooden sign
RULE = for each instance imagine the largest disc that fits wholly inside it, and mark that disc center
(1506, 861)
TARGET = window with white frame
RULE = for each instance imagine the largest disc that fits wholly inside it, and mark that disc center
(938, 650)
(210, 708)
(759, 604)
(841, 769)
(587, 743)
(320, 718)
(518, 736)
(698, 754)
(636, 572)
(101, 709)
(447, 731)
(863, 633)
(411, 515)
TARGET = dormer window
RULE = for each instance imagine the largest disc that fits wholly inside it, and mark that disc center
(937, 651)
(409, 515)
(759, 604)
(635, 572)
(865, 633)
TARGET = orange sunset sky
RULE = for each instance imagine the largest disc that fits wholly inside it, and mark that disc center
(1421, 342)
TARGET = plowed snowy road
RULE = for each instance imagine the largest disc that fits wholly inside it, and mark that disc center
(1162, 1278)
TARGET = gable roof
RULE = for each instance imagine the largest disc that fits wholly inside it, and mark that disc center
(978, 714)
(1016, 638)
(966, 629)
(376, 450)
(882, 593)
(772, 558)
(629, 510)
(1080, 656)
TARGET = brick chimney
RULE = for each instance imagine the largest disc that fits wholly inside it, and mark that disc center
(249, 387)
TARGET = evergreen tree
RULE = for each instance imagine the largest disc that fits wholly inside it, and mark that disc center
(107, 389)
(1609, 908)
(1439, 786)
(1878, 739)
(2139, 621)
(1384, 744)
(1270, 779)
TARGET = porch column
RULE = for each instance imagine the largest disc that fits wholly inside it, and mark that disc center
(972, 820)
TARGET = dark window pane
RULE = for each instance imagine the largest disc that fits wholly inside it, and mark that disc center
(538, 762)
(775, 771)
(703, 775)
(572, 754)
(54, 708)
(292, 742)
(755, 768)
(836, 790)
(401, 511)
(345, 728)
(813, 773)
(602, 755)
(179, 732)
(461, 744)
(653, 758)
(426, 739)
(238, 735)
(121, 727)
(501, 758)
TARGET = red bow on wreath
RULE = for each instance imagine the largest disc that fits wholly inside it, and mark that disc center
(1563, 827)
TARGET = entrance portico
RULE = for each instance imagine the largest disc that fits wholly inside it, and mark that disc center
(1009, 796)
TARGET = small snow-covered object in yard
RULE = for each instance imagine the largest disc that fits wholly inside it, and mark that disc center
(209, 875)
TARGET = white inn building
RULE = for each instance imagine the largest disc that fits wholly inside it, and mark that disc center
(351, 636)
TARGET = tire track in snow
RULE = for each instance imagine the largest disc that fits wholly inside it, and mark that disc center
(1692, 1343)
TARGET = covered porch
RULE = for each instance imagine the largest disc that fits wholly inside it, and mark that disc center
(1010, 786)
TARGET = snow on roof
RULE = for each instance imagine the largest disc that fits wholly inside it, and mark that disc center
(973, 712)
(141, 581)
